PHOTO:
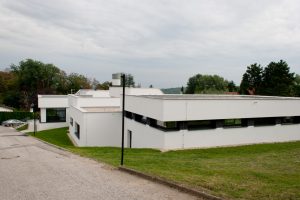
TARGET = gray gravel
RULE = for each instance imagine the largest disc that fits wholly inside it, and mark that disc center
(30, 169)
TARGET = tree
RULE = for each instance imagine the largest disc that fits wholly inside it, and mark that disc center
(206, 84)
(129, 80)
(277, 80)
(296, 89)
(77, 82)
(252, 79)
(232, 87)
(103, 86)
(34, 77)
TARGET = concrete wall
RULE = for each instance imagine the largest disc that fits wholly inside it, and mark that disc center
(88, 101)
(2, 109)
(103, 129)
(205, 109)
(78, 118)
(145, 136)
(53, 101)
(45, 126)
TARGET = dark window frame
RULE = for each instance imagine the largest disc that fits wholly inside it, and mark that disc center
(53, 115)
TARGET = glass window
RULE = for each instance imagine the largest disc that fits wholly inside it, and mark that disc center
(77, 130)
(71, 121)
(202, 124)
(56, 115)
(265, 121)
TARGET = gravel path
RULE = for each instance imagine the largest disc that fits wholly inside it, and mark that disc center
(30, 169)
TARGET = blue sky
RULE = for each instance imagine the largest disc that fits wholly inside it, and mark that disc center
(160, 42)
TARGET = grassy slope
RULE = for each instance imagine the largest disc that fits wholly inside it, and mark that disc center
(265, 171)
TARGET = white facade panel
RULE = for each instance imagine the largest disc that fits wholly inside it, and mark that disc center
(103, 129)
(152, 108)
(53, 101)
(144, 136)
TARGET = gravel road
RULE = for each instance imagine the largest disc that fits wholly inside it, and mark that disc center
(30, 169)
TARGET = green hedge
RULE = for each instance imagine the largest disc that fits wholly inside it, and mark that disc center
(15, 115)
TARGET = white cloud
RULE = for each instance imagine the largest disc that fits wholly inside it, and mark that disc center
(151, 39)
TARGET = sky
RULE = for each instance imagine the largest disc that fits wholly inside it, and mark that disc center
(160, 42)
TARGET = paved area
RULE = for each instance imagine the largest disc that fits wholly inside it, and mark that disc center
(30, 169)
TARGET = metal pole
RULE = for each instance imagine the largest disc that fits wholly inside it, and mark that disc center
(123, 115)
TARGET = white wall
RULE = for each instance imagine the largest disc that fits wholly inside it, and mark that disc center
(2, 109)
(45, 126)
(103, 129)
(204, 109)
(144, 136)
(87, 101)
(78, 118)
(53, 101)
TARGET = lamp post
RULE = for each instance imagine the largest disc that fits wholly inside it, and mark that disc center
(34, 122)
(123, 116)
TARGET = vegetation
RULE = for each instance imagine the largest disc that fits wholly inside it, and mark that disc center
(23, 127)
(207, 84)
(264, 171)
(273, 80)
(176, 90)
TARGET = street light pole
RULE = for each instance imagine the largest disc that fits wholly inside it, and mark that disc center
(123, 116)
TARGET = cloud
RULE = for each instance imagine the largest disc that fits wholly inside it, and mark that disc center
(151, 39)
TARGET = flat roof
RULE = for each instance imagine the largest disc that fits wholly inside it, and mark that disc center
(102, 109)
(213, 97)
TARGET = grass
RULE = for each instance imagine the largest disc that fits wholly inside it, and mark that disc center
(264, 171)
(22, 128)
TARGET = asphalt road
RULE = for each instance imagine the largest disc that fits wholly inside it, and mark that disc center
(30, 169)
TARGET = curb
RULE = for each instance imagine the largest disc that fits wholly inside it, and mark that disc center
(181, 188)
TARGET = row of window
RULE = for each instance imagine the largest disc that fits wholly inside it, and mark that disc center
(76, 128)
(212, 124)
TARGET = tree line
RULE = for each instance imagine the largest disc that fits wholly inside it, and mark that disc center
(20, 84)
(273, 80)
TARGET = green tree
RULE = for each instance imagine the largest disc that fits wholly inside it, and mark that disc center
(296, 87)
(206, 84)
(129, 80)
(34, 77)
(103, 86)
(252, 79)
(277, 80)
(232, 87)
(77, 82)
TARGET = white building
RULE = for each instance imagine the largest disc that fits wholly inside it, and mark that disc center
(54, 112)
(193, 121)
(5, 109)
(154, 120)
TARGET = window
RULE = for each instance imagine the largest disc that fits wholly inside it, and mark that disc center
(265, 121)
(77, 130)
(232, 123)
(167, 125)
(140, 118)
(129, 138)
(290, 120)
(128, 114)
(56, 115)
(201, 124)
(71, 121)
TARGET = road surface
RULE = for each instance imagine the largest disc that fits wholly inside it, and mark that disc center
(30, 169)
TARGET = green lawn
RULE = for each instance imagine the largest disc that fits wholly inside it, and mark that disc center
(265, 171)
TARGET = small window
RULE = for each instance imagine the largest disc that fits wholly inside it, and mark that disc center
(140, 118)
(128, 115)
(129, 138)
(290, 120)
(71, 121)
(77, 130)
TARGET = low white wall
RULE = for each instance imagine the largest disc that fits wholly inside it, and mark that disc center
(45, 126)
(240, 136)
(144, 136)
